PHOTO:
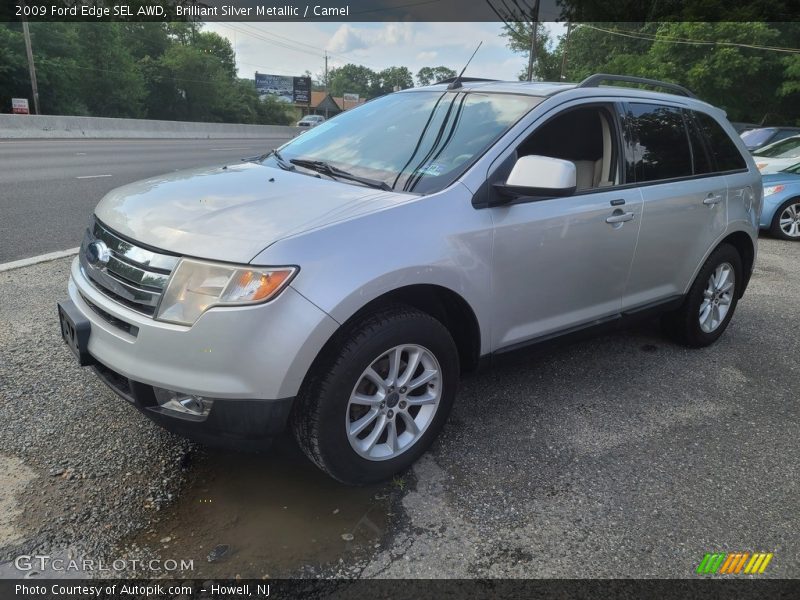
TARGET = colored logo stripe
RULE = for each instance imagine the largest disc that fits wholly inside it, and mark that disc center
(724, 563)
(758, 563)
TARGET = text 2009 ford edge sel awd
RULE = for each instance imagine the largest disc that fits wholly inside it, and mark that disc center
(341, 284)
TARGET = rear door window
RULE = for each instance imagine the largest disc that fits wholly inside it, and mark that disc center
(661, 143)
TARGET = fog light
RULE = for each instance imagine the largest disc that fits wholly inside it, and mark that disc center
(189, 404)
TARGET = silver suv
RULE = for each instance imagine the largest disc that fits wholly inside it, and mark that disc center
(342, 283)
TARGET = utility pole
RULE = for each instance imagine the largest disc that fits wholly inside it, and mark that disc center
(532, 54)
(564, 55)
(326, 71)
(29, 51)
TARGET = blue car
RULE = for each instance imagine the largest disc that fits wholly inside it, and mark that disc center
(781, 213)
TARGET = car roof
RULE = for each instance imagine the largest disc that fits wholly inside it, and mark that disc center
(548, 89)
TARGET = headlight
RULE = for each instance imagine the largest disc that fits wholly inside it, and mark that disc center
(772, 189)
(195, 286)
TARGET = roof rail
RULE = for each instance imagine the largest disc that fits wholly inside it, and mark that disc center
(597, 78)
(452, 79)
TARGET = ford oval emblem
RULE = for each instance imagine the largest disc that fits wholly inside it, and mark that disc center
(97, 253)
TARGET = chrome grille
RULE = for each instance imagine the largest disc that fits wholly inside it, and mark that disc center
(127, 273)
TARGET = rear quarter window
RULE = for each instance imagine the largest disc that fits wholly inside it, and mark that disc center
(724, 152)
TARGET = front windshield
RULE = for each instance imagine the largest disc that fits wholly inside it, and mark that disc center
(416, 141)
(794, 169)
(756, 137)
(788, 148)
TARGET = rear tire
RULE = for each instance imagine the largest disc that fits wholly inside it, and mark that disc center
(351, 386)
(788, 212)
(711, 301)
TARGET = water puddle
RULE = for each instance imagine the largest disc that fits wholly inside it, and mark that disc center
(272, 514)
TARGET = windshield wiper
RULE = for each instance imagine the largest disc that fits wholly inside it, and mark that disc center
(320, 166)
(278, 159)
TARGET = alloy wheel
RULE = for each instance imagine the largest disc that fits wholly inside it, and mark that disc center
(717, 297)
(789, 220)
(393, 402)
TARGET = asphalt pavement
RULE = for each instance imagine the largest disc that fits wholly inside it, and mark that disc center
(48, 188)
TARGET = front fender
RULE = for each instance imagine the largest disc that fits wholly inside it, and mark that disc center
(435, 240)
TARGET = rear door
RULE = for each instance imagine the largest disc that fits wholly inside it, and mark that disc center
(684, 203)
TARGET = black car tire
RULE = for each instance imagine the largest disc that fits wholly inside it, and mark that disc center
(683, 325)
(319, 416)
(775, 226)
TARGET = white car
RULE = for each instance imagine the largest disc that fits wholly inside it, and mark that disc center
(311, 121)
(778, 155)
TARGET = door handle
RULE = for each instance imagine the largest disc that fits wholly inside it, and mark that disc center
(712, 199)
(620, 217)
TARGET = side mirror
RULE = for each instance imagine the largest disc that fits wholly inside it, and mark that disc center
(537, 176)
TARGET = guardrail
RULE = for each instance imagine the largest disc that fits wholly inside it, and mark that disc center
(51, 126)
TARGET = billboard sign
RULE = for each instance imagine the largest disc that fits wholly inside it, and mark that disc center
(350, 97)
(284, 88)
(302, 90)
(19, 106)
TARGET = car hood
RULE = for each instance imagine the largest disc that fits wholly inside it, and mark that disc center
(232, 213)
(773, 165)
(780, 178)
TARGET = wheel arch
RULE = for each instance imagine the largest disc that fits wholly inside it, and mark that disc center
(442, 303)
(778, 208)
(744, 245)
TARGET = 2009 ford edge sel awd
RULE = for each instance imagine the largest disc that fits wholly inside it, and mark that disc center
(340, 284)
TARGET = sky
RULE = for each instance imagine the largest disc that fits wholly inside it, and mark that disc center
(293, 48)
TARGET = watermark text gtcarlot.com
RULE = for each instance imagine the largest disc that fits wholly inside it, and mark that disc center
(44, 562)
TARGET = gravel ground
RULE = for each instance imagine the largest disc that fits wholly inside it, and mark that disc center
(98, 470)
(622, 456)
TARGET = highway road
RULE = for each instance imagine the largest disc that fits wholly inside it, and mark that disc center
(48, 188)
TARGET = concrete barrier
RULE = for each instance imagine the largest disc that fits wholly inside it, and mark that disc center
(47, 126)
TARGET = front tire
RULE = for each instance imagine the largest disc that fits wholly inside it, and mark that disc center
(786, 221)
(711, 301)
(377, 396)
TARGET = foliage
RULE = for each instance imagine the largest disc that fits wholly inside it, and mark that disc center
(429, 75)
(361, 80)
(715, 60)
(172, 71)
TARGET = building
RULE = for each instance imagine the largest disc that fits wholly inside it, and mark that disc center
(322, 103)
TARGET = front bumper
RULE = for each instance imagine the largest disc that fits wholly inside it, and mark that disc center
(243, 352)
(240, 424)
(250, 359)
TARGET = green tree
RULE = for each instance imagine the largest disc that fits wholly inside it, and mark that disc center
(429, 75)
(548, 59)
(14, 81)
(350, 79)
(724, 63)
(60, 68)
(112, 83)
(390, 79)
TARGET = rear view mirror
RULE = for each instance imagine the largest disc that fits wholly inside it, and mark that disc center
(538, 176)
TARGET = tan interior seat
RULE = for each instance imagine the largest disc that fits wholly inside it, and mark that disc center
(587, 173)
(594, 173)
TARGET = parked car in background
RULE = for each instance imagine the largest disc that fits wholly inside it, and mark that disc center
(311, 121)
(758, 138)
(781, 212)
(778, 155)
(742, 127)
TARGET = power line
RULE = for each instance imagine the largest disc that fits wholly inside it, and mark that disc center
(658, 38)
(290, 44)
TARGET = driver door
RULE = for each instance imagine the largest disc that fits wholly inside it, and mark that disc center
(562, 263)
